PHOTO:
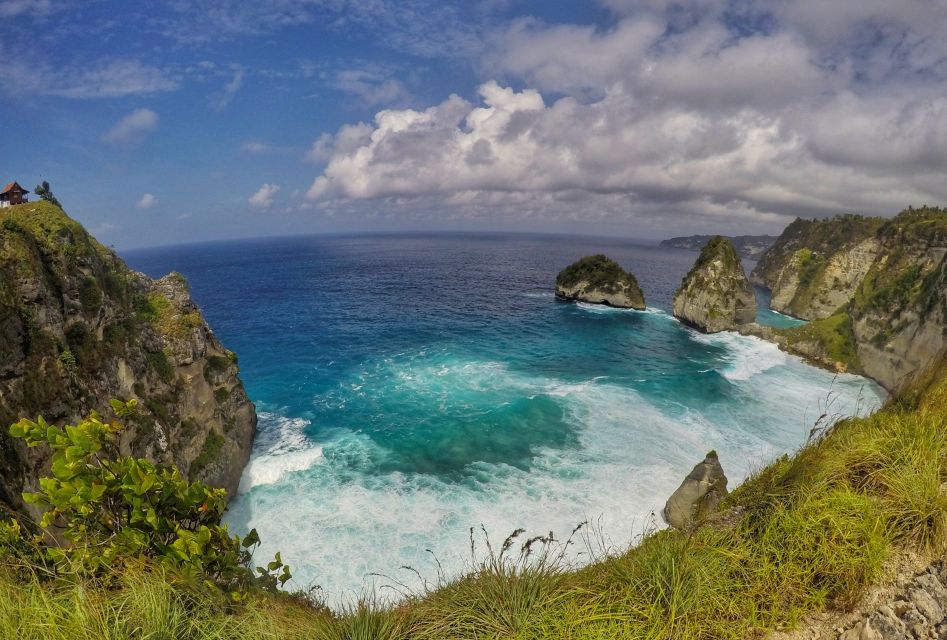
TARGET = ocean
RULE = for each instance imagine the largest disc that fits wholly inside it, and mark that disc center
(411, 387)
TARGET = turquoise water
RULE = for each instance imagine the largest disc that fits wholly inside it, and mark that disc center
(411, 387)
(766, 316)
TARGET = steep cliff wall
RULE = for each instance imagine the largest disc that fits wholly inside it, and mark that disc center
(899, 313)
(816, 265)
(78, 327)
(885, 313)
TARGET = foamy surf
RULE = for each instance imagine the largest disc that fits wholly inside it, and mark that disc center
(352, 518)
(746, 356)
(280, 449)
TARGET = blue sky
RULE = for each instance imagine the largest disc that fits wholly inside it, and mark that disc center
(165, 122)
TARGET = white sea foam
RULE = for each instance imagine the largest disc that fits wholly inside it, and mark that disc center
(281, 448)
(602, 308)
(746, 355)
(336, 525)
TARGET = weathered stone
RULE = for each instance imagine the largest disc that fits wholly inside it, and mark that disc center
(83, 329)
(715, 295)
(926, 604)
(934, 587)
(700, 493)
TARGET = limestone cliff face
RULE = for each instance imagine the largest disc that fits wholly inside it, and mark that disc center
(885, 314)
(78, 327)
(715, 295)
(816, 265)
(899, 313)
(599, 280)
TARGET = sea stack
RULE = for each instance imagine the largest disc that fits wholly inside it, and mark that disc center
(599, 280)
(700, 493)
(716, 295)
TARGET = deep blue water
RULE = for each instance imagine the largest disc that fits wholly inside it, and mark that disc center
(412, 386)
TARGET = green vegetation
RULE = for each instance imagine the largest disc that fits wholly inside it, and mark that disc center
(165, 317)
(834, 334)
(600, 272)
(820, 237)
(109, 510)
(209, 452)
(46, 193)
(809, 531)
(907, 279)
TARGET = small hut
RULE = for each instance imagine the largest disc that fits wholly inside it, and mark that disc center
(12, 194)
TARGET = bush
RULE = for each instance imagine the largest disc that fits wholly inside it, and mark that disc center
(111, 510)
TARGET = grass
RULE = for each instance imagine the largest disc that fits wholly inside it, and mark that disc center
(806, 532)
(834, 334)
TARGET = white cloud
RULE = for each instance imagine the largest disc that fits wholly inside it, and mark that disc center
(147, 201)
(372, 87)
(672, 112)
(225, 96)
(264, 197)
(110, 79)
(132, 127)
(107, 78)
(10, 8)
(348, 138)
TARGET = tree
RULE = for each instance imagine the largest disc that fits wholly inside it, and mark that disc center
(45, 193)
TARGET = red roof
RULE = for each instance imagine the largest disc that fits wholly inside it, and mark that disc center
(10, 187)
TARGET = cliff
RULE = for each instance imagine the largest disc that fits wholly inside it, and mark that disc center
(751, 247)
(600, 280)
(78, 327)
(899, 311)
(816, 265)
(715, 295)
(876, 289)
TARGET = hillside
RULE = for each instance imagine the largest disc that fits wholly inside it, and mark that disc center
(79, 328)
(750, 247)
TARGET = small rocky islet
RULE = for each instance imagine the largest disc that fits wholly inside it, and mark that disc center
(599, 280)
(716, 295)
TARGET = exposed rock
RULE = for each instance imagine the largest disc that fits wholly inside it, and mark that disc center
(877, 290)
(919, 612)
(599, 280)
(700, 493)
(816, 265)
(78, 327)
(716, 295)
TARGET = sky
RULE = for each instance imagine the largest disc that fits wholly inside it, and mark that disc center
(178, 121)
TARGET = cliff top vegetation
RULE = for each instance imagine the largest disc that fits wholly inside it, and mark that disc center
(599, 271)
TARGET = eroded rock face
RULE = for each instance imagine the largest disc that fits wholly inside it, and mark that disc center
(899, 313)
(811, 286)
(716, 295)
(599, 280)
(700, 493)
(79, 328)
(919, 611)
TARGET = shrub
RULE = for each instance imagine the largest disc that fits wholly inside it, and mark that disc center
(111, 510)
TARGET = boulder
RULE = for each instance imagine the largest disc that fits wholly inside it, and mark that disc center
(700, 493)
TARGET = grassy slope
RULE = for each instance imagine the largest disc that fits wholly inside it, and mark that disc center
(812, 531)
